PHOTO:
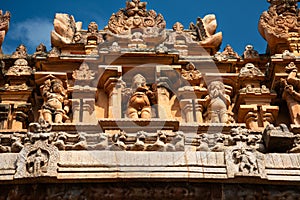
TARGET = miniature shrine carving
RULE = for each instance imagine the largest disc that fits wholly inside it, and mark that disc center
(56, 105)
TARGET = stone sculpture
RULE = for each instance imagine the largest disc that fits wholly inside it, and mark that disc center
(217, 103)
(133, 16)
(230, 53)
(246, 160)
(21, 52)
(4, 25)
(250, 53)
(280, 26)
(64, 31)
(139, 104)
(291, 92)
(56, 104)
(204, 31)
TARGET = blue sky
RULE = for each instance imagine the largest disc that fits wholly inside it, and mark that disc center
(32, 21)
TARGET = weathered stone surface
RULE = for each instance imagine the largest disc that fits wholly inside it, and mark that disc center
(159, 108)
(4, 25)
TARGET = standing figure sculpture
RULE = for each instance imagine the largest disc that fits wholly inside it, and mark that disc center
(139, 103)
(217, 103)
(291, 92)
(56, 103)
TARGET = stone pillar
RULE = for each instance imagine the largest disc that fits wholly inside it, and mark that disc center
(269, 114)
(76, 110)
(249, 114)
(88, 110)
(199, 104)
(187, 110)
(83, 104)
(113, 87)
(257, 117)
(163, 101)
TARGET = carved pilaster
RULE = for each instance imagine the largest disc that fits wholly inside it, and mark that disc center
(76, 110)
(187, 109)
(199, 106)
(113, 87)
(88, 111)
(163, 101)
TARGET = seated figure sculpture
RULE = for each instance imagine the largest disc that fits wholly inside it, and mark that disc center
(139, 103)
(56, 103)
(217, 103)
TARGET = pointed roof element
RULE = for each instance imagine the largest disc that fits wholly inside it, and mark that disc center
(134, 16)
(280, 27)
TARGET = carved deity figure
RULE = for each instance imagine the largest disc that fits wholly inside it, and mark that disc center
(37, 162)
(56, 104)
(217, 103)
(246, 161)
(250, 52)
(139, 104)
(21, 52)
(291, 92)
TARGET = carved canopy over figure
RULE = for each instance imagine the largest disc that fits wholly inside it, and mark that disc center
(4, 25)
(291, 92)
(217, 103)
(56, 104)
(133, 16)
(139, 103)
(279, 24)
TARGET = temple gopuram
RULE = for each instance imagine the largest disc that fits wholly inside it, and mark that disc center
(134, 110)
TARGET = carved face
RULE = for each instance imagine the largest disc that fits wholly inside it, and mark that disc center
(93, 27)
(215, 89)
(57, 86)
(249, 48)
(41, 48)
(138, 81)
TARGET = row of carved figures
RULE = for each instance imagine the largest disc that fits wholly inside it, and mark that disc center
(162, 140)
(139, 100)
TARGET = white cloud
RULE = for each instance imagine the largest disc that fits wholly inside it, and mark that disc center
(31, 33)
